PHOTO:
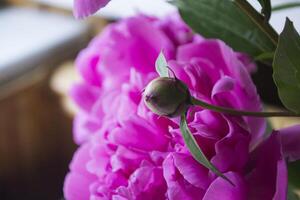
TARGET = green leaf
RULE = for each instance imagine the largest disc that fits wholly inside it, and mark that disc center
(223, 19)
(266, 8)
(161, 65)
(286, 67)
(195, 150)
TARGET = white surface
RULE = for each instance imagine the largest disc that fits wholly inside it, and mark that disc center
(122, 8)
(125, 8)
(278, 18)
(28, 37)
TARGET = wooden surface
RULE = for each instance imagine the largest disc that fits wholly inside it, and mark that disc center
(35, 144)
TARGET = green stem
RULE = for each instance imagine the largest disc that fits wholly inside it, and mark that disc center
(286, 6)
(258, 19)
(241, 112)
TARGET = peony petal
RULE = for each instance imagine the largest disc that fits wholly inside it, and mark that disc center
(268, 177)
(84, 126)
(247, 61)
(222, 189)
(210, 124)
(76, 186)
(138, 133)
(281, 181)
(232, 152)
(191, 170)
(290, 141)
(78, 181)
(215, 51)
(227, 63)
(146, 183)
(131, 44)
(225, 84)
(100, 158)
(178, 188)
(84, 8)
(126, 160)
(87, 63)
(84, 96)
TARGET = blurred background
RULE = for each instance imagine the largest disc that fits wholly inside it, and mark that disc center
(39, 40)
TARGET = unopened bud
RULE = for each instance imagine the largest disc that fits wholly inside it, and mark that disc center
(167, 96)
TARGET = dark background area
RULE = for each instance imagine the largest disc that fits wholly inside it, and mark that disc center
(36, 144)
(265, 85)
(36, 153)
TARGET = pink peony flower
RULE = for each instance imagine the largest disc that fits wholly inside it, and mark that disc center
(84, 8)
(127, 152)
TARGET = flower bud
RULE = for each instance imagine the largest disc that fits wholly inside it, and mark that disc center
(167, 96)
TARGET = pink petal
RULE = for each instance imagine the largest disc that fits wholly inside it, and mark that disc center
(225, 84)
(87, 63)
(84, 8)
(268, 178)
(76, 187)
(191, 170)
(222, 189)
(146, 183)
(290, 140)
(131, 44)
(232, 152)
(138, 133)
(84, 96)
(281, 181)
(178, 187)
(78, 181)
(84, 126)
(247, 61)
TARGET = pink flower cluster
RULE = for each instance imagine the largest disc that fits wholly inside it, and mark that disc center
(128, 153)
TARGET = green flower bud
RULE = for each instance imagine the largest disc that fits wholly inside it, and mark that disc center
(167, 96)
